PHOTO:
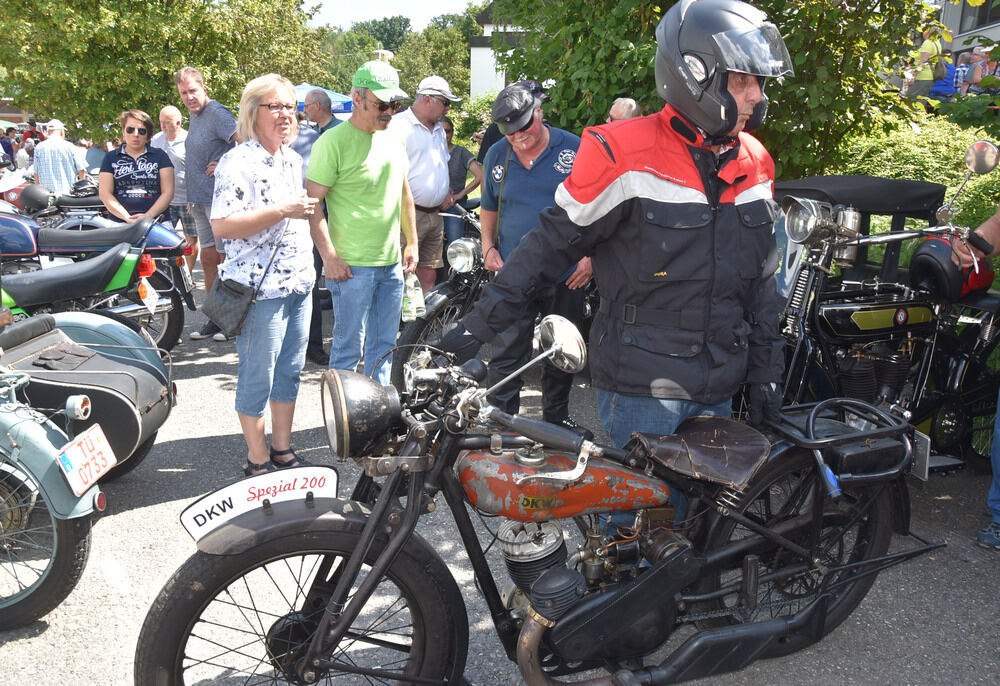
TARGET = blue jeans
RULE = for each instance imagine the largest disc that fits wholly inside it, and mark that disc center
(623, 414)
(993, 498)
(367, 308)
(272, 351)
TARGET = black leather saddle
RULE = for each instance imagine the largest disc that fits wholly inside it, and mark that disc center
(65, 282)
(73, 202)
(72, 240)
(714, 449)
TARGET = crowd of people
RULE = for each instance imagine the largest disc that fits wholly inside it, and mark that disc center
(939, 74)
(670, 213)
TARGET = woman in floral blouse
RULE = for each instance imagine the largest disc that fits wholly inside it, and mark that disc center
(259, 202)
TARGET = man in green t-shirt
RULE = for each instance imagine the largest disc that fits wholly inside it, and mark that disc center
(360, 169)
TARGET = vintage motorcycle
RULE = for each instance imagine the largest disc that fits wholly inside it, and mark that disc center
(54, 450)
(71, 227)
(782, 536)
(448, 301)
(919, 341)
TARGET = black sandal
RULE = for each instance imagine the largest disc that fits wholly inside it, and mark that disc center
(254, 469)
(295, 461)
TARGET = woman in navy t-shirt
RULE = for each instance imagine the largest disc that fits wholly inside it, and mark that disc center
(136, 180)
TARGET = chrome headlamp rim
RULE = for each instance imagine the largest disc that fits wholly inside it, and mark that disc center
(805, 219)
(464, 254)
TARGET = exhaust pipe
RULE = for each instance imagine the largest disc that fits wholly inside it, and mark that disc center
(529, 658)
(135, 310)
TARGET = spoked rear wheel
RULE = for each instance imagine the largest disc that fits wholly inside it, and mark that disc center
(41, 557)
(856, 527)
(248, 618)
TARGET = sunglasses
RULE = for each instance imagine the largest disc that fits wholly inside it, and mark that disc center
(141, 130)
(444, 101)
(276, 107)
(525, 127)
(384, 106)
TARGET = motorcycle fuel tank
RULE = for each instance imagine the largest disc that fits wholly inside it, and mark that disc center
(861, 321)
(18, 236)
(490, 483)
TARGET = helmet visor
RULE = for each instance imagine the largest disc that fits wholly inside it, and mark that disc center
(759, 51)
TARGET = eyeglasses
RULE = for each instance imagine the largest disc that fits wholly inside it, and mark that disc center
(444, 101)
(141, 130)
(384, 106)
(276, 107)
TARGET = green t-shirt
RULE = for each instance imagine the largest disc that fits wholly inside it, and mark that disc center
(365, 174)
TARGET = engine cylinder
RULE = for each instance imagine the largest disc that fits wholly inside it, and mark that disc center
(529, 549)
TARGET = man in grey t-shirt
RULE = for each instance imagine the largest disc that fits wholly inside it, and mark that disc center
(211, 133)
(171, 139)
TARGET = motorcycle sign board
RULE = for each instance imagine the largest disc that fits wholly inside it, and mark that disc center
(211, 511)
(86, 459)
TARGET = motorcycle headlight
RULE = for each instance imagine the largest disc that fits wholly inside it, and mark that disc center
(357, 411)
(463, 254)
(804, 218)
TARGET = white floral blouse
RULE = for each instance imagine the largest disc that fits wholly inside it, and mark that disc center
(248, 178)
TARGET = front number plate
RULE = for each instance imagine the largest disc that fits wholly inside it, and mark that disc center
(215, 509)
(86, 459)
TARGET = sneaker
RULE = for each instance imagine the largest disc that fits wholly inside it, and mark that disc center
(207, 329)
(990, 536)
(221, 337)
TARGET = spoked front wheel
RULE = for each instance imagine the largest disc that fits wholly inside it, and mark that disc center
(41, 557)
(249, 618)
(856, 527)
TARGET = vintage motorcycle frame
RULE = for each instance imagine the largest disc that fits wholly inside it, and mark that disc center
(554, 632)
(939, 374)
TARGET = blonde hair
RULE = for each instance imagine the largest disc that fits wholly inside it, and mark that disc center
(188, 73)
(253, 95)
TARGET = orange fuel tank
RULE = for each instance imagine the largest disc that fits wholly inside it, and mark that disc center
(489, 483)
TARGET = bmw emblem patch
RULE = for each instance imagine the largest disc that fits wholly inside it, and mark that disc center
(497, 173)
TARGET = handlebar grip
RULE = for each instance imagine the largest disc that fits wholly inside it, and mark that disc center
(547, 434)
(980, 243)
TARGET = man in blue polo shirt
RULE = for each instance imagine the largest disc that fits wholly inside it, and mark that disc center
(520, 175)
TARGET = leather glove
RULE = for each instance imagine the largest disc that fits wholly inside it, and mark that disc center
(765, 403)
(455, 339)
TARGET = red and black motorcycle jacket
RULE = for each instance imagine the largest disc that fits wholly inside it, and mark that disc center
(684, 256)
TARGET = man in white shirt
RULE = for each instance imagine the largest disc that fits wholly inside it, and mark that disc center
(427, 149)
(171, 139)
(57, 165)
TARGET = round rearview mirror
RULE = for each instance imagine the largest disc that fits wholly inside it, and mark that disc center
(981, 157)
(558, 332)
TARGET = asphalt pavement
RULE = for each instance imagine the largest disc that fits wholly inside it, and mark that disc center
(932, 621)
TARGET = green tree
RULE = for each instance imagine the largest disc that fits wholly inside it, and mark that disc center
(444, 52)
(391, 32)
(85, 62)
(839, 50)
(346, 51)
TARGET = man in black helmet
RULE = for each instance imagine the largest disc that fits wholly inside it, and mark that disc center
(676, 211)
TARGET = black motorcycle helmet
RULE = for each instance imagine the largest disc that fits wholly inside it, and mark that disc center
(84, 188)
(698, 42)
(35, 198)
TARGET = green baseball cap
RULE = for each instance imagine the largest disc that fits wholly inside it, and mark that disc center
(381, 79)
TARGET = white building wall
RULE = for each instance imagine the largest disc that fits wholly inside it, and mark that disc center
(484, 74)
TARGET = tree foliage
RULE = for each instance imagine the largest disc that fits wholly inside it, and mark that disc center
(391, 32)
(434, 50)
(596, 50)
(346, 50)
(84, 62)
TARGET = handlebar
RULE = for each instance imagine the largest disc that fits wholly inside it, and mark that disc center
(980, 243)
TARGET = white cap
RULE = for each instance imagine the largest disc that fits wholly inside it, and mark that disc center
(435, 85)
(53, 125)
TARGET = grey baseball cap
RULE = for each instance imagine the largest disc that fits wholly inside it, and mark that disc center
(513, 108)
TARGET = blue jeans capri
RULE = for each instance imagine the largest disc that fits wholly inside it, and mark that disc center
(272, 352)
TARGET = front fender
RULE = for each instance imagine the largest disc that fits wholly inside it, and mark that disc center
(281, 519)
